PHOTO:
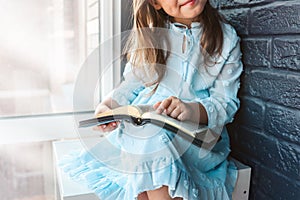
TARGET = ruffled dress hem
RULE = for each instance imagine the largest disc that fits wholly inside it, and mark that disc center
(109, 184)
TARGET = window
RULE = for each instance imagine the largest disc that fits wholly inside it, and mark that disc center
(43, 46)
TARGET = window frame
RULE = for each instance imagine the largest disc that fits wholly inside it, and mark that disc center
(49, 127)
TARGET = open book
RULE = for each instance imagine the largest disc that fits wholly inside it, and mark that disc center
(140, 115)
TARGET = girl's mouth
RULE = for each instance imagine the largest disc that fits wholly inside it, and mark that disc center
(188, 3)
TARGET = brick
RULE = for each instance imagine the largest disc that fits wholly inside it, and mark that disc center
(214, 3)
(256, 52)
(288, 160)
(276, 87)
(276, 186)
(283, 123)
(259, 195)
(254, 144)
(268, 151)
(238, 18)
(286, 53)
(276, 18)
(230, 3)
(240, 3)
(251, 113)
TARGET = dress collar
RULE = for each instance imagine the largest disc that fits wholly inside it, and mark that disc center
(176, 26)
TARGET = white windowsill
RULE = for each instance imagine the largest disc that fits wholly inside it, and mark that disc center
(38, 128)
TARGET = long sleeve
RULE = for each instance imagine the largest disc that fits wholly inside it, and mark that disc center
(128, 89)
(222, 103)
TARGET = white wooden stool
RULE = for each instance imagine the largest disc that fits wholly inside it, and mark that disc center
(66, 189)
(242, 186)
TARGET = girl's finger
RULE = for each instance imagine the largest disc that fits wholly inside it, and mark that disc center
(173, 105)
(181, 117)
(98, 128)
(155, 106)
(175, 113)
(164, 105)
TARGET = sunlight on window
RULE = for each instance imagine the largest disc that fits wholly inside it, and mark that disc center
(42, 45)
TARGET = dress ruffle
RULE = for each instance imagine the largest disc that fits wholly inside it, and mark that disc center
(109, 184)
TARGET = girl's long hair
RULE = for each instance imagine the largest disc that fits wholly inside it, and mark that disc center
(142, 48)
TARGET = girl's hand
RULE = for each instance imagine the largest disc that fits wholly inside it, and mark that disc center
(104, 127)
(175, 108)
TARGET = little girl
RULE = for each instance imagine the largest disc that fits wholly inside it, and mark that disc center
(191, 73)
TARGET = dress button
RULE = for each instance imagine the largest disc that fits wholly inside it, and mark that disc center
(211, 109)
(164, 139)
(195, 192)
(229, 71)
(226, 83)
(186, 184)
(173, 169)
(105, 192)
(203, 177)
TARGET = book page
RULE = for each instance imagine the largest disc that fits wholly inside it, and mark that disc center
(124, 110)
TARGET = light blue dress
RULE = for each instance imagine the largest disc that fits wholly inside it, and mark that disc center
(148, 157)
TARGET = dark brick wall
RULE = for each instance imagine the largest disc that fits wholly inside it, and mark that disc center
(266, 131)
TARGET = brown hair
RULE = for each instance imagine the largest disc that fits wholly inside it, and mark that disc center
(142, 48)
